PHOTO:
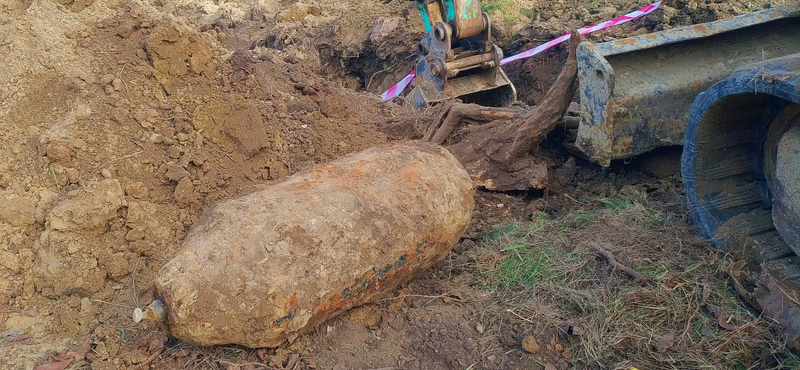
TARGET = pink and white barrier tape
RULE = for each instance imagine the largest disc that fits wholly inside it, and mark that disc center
(398, 88)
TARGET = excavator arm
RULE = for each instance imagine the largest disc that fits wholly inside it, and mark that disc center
(456, 58)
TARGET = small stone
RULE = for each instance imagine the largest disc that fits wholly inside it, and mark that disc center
(566, 173)
(118, 84)
(491, 358)
(480, 328)
(384, 29)
(72, 175)
(246, 128)
(107, 79)
(106, 173)
(135, 234)
(198, 142)
(184, 192)
(174, 152)
(156, 138)
(59, 152)
(136, 190)
(184, 161)
(529, 345)
(168, 132)
(175, 172)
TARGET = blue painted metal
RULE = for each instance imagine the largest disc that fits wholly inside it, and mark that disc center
(636, 92)
(758, 91)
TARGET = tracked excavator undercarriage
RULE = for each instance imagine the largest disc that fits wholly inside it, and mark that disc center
(729, 92)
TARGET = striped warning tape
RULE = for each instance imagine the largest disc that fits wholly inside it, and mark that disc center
(398, 88)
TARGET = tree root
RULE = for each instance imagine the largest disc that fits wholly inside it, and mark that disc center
(497, 154)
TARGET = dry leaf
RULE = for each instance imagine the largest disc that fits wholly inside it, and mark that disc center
(311, 363)
(56, 365)
(82, 351)
(724, 322)
(665, 342)
(263, 356)
(735, 269)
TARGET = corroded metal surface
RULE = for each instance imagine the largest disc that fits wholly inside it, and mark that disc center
(636, 92)
(267, 266)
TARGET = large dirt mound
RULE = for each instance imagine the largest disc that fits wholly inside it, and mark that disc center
(122, 123)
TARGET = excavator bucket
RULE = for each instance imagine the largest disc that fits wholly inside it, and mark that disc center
(635, 93)
(456, 58)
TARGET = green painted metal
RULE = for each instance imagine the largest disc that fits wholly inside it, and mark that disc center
(425, 19)
(450, 11)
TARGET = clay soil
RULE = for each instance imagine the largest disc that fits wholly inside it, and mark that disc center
(122, 121)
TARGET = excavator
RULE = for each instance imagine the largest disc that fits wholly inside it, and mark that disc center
(728, 91)
(456, 58)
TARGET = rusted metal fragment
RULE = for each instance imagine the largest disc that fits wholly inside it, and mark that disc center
(267, 266)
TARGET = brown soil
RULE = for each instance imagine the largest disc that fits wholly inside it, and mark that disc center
(122, 121)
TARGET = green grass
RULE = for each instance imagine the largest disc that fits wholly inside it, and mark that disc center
(545, 270)
(509, 9)
(528, 13)
(490, 6)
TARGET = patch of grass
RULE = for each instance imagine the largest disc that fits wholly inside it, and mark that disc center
(585, 216)
(509, 9)
(547, 274)
(617, 205)
(528, 13)
(490, 6)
